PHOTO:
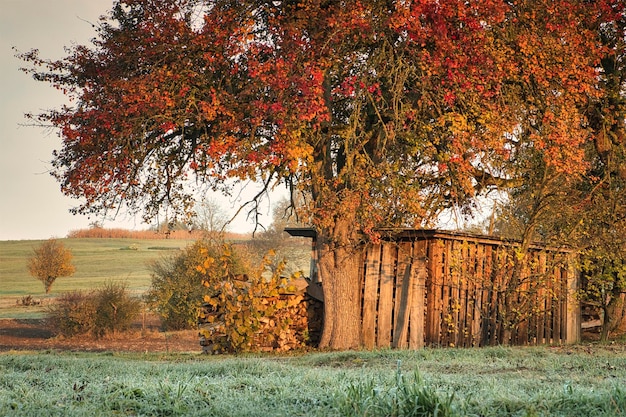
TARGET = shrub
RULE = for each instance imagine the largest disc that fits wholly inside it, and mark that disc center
(116, 308)
(74, 313)
(108, 309)
(28, 301)
(176, 292)
(262, 310)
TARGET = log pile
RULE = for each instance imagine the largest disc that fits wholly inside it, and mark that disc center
(297, 324)
(315, 318)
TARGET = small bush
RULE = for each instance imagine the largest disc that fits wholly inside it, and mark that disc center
(74, 313)
(106, 310)
(176, 293)
(28, 301)
(116, 308)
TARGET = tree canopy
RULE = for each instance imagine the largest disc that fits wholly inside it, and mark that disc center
(587, 211)
(50, 261)
(384, 112)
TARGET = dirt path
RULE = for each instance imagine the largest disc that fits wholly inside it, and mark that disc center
(34, 335)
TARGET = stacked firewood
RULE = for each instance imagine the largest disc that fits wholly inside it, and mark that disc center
(297, 324)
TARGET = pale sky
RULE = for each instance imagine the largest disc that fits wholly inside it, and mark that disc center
(31, 203)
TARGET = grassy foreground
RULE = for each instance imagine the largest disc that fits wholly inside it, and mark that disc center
(538, 381)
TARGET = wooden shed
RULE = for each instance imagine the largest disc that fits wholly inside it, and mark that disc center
(440, 288)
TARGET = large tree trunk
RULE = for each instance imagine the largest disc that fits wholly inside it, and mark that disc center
(338, 265)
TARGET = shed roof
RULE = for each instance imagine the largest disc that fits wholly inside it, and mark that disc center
(301, 231)
(412, 234)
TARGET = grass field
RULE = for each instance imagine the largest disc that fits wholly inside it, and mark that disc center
(538, 381)
(96, 261)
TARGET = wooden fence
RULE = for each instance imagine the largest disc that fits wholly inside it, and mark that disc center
(434, 288)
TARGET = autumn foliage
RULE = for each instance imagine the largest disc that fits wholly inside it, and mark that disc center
(176, 292)
(383, 113)
(116, 233)
(50, 261)
(249, 312)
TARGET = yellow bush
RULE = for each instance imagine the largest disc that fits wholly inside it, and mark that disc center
(258, 311)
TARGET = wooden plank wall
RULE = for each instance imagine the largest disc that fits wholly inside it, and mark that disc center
(453, 292)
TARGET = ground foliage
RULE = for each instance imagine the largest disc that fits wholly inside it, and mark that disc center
(384, 113)
(116, 308)
(105, 310)
(72, 314)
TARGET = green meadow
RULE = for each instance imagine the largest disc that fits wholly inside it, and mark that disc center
(96, 260)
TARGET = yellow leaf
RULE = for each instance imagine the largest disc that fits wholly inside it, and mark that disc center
(208, 262)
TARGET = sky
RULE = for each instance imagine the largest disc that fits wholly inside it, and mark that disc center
(31, 203)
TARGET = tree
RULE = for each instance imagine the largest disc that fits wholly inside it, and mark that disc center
(211, 217)
(602, 207)
(385, 113)
(602, 234)
(50, 261)
(586, 210)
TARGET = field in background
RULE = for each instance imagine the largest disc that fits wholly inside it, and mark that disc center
(97, 261)
(111, 233)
